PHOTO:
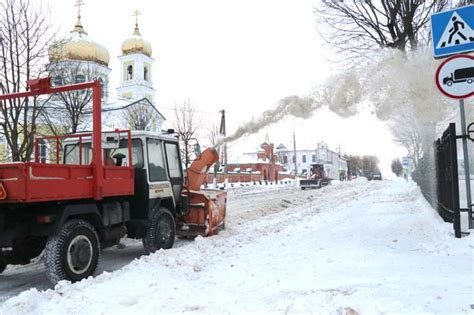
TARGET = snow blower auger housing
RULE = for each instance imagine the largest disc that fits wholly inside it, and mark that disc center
(84, 192)
(205, 209)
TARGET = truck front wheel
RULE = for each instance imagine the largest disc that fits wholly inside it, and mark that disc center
(72, 253)
(161, 231)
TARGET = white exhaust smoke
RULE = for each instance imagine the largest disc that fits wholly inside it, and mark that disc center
(294, 105)
(341, 93)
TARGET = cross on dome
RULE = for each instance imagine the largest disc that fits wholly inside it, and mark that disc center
(78, 27)
(78, 4)
(136, 13)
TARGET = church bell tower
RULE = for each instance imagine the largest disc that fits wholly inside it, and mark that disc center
(136, 67)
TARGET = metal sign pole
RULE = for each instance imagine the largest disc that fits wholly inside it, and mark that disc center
(467, 173)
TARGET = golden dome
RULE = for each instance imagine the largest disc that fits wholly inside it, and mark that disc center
(136, 44)
(77, 45)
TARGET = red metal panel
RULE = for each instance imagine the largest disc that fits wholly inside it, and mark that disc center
(12, 176)
(50, 182)
(58, 171)
(118, 181)
(52, 190)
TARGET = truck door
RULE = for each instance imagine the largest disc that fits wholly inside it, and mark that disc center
(160, 187)
(175, 171)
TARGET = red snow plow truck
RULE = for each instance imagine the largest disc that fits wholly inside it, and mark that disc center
(98, 187)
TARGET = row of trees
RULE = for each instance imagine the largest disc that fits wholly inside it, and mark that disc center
(369, 164)
(362, 165)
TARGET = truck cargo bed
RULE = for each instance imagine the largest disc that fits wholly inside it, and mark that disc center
(37, 182)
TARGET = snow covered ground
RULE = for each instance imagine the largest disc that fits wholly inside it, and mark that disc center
(366, 247)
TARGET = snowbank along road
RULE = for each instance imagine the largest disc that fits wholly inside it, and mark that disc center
(366, 247)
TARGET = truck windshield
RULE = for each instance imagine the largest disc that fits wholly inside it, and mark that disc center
(112, 156)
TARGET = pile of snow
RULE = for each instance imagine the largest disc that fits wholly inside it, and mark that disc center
(368, 247)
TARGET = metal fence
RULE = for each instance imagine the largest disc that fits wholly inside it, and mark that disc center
(438, 176)
(447, 181)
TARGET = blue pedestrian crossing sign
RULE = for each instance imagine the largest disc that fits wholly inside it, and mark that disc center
(405, 161)
(453, 31)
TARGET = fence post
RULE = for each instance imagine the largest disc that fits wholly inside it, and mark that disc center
(467, 173)
(455, 182)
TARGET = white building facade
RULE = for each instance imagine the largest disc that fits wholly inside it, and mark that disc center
(334, 162)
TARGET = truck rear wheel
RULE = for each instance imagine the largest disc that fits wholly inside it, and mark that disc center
(161, 231)
(3, 263)
(72, 253)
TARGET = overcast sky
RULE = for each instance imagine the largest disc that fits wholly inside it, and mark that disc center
(241, 56)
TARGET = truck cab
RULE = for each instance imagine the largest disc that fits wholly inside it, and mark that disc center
(156, 161)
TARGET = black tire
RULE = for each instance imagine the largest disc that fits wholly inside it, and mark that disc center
(3, 263)
(161, 231)
(73, 252)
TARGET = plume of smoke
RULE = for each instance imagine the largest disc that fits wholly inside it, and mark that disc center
(300, 107)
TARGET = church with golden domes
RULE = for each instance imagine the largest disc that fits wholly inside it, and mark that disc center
(77, 58)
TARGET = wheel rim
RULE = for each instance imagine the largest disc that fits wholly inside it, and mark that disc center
(164, 230)
(79, 254)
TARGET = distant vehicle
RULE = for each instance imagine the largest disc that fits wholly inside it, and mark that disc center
(317, 179)
(376, 176)
(460, 75)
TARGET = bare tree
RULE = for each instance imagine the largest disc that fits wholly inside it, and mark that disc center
(370, 165)
(24, 39)
(356, 28)
(187, 127)
(213, 137)
(397, 167)
(66, 111)
(408, 131)
(140, 116)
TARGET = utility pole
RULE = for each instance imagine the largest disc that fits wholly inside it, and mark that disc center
(294, 154)
(223, 133)
(339, 160)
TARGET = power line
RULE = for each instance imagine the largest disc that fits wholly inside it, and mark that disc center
(121, 98)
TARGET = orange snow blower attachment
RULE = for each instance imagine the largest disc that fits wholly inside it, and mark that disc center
(197, 172)
(204, 208)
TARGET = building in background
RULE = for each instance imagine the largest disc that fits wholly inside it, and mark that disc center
(263, 162)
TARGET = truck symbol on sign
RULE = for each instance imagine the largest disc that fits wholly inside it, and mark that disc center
(460, 75)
